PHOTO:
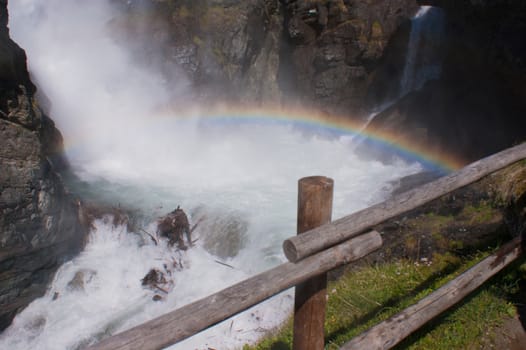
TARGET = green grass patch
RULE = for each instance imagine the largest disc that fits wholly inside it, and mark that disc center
(368, 295)
(480, 214)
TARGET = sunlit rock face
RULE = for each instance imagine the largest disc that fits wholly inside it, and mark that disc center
(39, 224)
(336, 51)
(323, 54)
(225, 50)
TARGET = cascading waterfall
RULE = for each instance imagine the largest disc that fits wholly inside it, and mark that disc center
(240, 177)
(423, 57)
(423, 60)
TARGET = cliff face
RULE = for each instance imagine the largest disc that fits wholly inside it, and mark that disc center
(348, 57)
(39, 224)
(225, 50)
(477, 106)
(335, 50)
(323, 54)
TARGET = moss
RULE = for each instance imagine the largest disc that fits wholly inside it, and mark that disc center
(411, 244)
(183, 12)
(376, 30)
(479, 214)
(510, 183)
(218, 54)
(367, 295)
(197, 41)
(217, 17)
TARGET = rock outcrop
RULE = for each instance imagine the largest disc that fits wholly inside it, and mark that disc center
(477, 106)
(39, 225)
(226, 50)
(335, 50)
(315, 53)
(346, 57)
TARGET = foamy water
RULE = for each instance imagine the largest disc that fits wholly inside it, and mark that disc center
(241, 179)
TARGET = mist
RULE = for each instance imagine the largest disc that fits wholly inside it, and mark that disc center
(129, 142)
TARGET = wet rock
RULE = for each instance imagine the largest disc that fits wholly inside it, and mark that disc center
(222, 234)
(39, 222)
(337, 47)
(158, 281)
(153, 277)
(476, 108)
(80, 279)
(224, 50)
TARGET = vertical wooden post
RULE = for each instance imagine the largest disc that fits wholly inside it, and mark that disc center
(314, 209)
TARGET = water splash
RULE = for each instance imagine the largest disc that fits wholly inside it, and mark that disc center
(103, 103)
(424, 57)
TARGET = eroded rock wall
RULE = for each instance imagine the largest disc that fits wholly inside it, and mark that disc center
(477, 107)
(39, 225)
(220, 50)
(337, 49)
(314, 53)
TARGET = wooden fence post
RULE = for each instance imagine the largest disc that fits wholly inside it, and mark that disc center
(314, 209)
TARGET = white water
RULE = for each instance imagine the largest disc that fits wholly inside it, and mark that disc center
(423, 61)
(243, 175)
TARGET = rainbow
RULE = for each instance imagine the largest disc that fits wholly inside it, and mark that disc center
(319, 122)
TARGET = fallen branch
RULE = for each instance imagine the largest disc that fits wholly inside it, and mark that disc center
(225, 264)
(151, 236)
(195, 225)
(160, 288)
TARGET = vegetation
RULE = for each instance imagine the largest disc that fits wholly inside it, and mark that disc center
(422, 251)
(367, 295)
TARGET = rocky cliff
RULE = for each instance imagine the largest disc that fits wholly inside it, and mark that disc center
(334, 51)
(347, 57)
(314, 53)
(39, 225)
(477, 106)
(224, 50)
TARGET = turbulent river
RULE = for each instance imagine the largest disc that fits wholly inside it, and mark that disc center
(239, 174)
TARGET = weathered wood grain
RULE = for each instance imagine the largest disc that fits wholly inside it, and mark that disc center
(314, 209)
(318, 239)
(199, 315)
(387, 334)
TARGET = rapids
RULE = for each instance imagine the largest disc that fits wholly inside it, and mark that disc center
(241, 177)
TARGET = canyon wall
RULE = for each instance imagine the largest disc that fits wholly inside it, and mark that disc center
(39, 226)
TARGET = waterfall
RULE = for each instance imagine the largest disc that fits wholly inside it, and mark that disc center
(242, 177)
(424, 59)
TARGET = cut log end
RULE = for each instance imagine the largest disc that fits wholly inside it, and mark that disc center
(290, 251)
(317, 181)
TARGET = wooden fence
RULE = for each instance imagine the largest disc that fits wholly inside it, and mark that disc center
(319, 249)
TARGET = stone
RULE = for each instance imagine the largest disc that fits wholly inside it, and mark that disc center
(39, 223)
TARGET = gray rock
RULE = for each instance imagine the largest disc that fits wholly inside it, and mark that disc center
(39, 224)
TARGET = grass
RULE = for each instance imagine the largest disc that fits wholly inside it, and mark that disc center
(367, 295)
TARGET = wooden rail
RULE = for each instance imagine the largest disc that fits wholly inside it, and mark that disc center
(199, 315)
(323, 237)
(388, 333)
(316, 252)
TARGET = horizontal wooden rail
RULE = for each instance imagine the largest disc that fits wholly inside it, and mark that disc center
(387, 334)
(323, 237)
(199, 315)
